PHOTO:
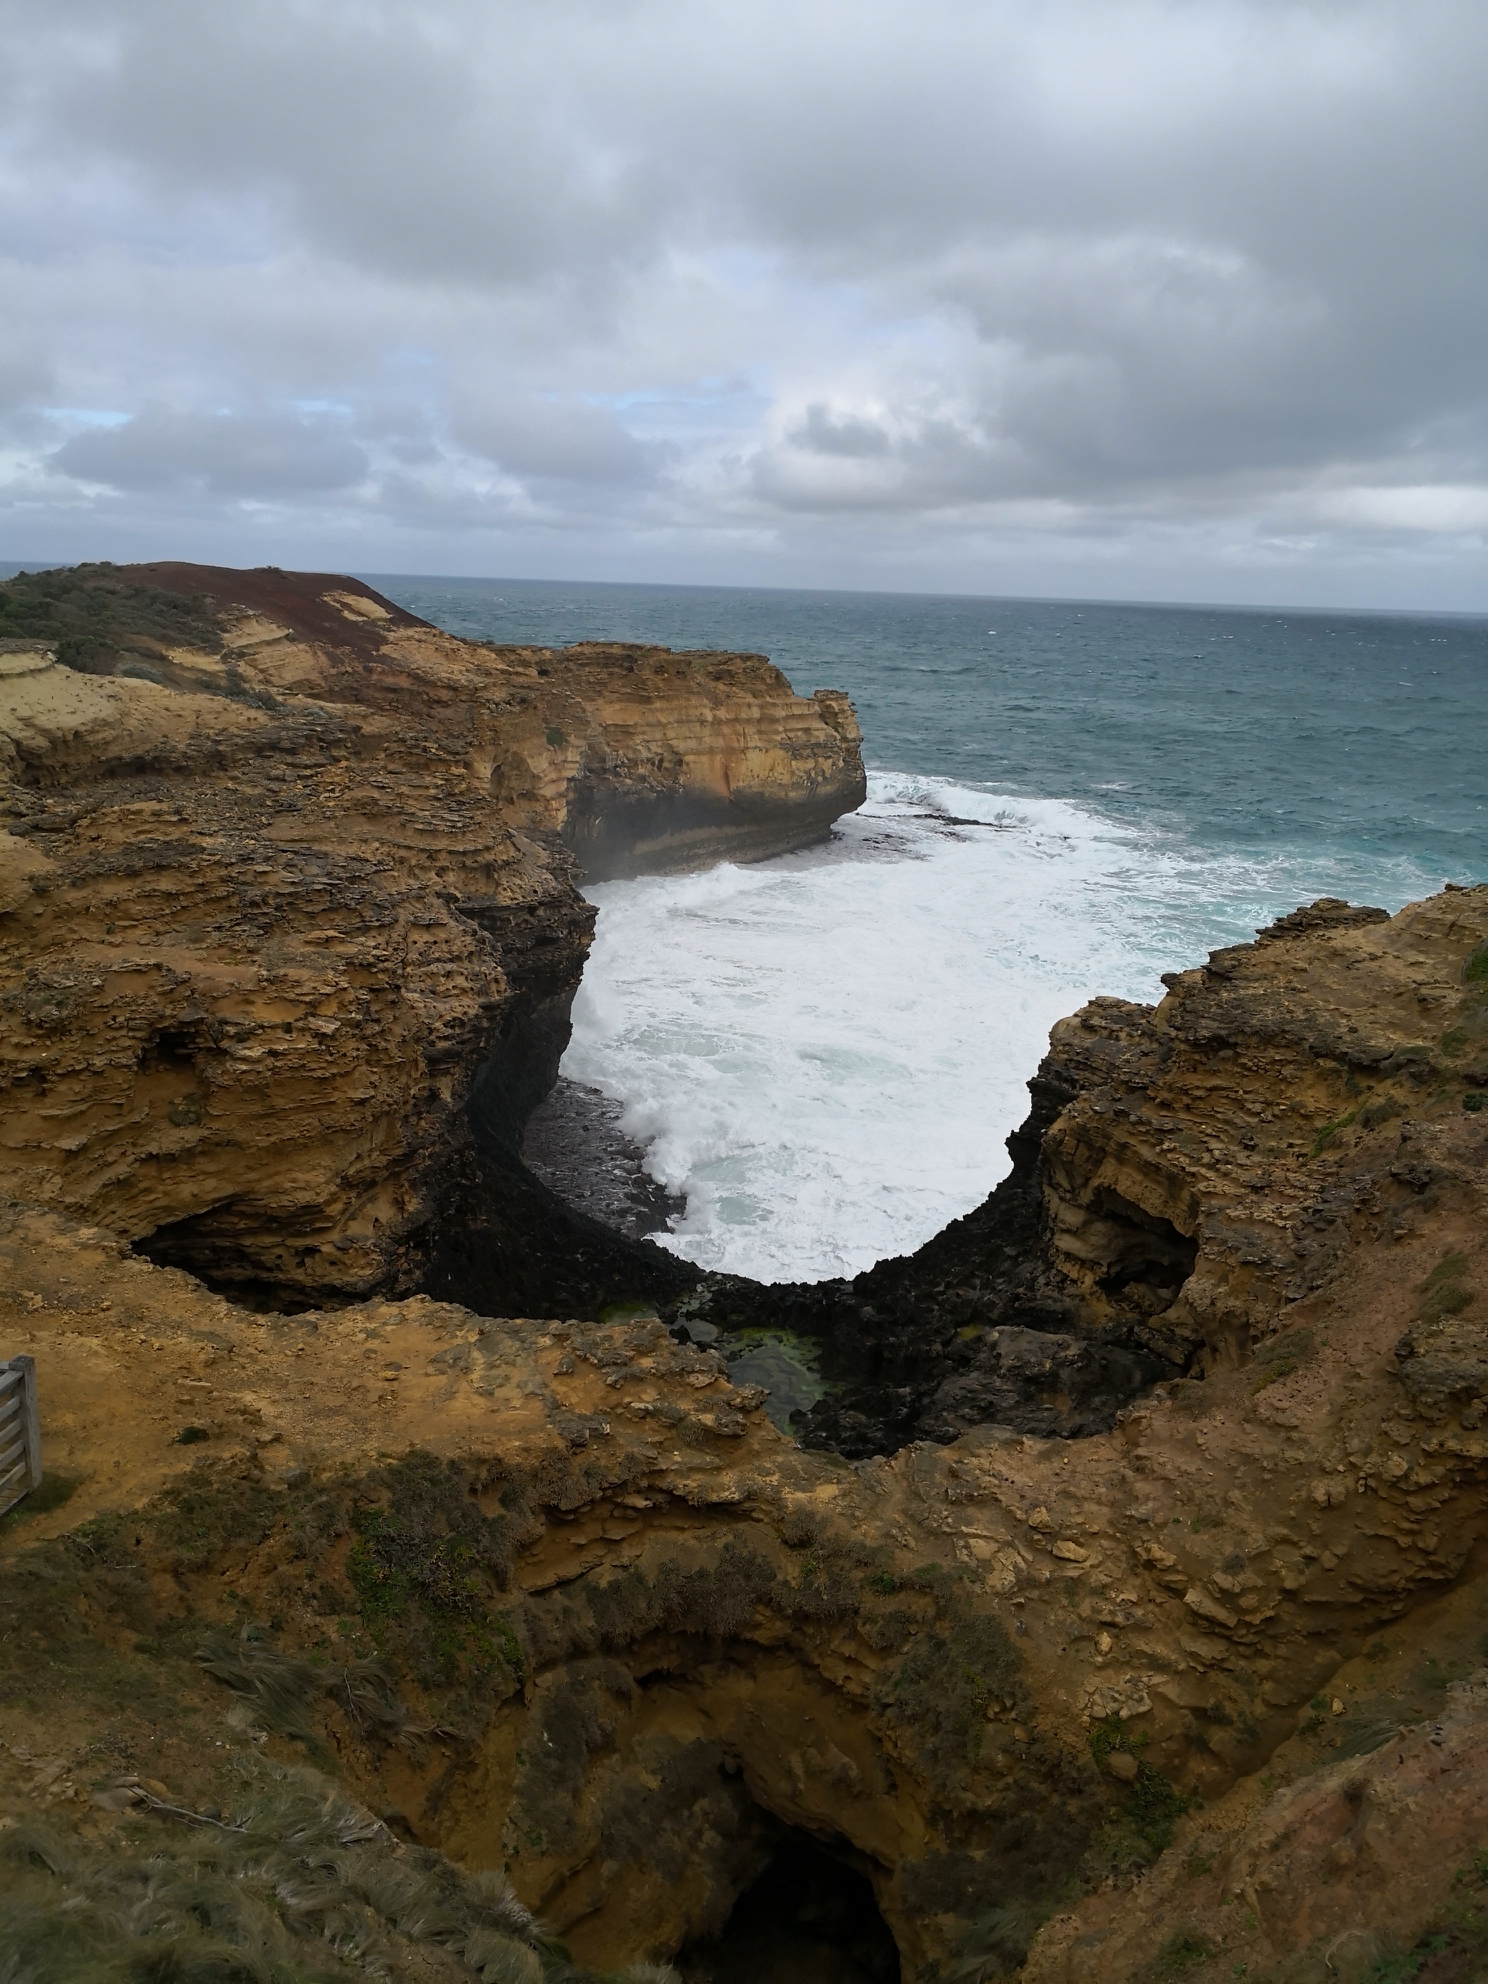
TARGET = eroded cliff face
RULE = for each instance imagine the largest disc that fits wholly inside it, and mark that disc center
(1197, 1691)
(1187, 1174)
(288, 903)
(621, 1636)
(633, 1641)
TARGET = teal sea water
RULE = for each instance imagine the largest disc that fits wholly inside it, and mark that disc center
(824, 1053)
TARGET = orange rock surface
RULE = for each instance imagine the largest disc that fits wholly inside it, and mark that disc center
(275, 913)
(1200, 1694)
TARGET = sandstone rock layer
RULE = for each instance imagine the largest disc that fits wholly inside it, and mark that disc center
(288, 898)
(1126, 1617)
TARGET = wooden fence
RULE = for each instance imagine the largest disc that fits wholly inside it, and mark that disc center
(20, 1431)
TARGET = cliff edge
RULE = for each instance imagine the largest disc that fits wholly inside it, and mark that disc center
(1123, 1614)
(1187, 1174)
(1200, 1693)
(290, 905)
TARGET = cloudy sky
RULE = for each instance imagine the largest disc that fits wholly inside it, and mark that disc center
(1179, 299)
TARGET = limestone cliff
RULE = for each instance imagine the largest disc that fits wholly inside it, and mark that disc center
(289, 923)
(1187, 1174)
(557, 1597)
(1135, 1626)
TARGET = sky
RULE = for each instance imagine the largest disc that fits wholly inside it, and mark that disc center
(1157, 299)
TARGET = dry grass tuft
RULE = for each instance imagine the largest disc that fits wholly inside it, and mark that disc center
(300, 1886)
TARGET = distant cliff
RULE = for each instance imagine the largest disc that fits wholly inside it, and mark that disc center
(290, 914)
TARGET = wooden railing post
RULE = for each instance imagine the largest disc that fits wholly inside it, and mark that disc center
(20, 1431)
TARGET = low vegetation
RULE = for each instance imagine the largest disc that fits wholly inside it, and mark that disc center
(1142, 1826)
(371, 1623)
(97, 620)
(1454, 1947)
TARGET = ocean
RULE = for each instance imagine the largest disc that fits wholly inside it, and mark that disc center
(824, 1053)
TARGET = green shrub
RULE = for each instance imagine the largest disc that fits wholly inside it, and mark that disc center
(654, 1812)
(1383, 1111)
(938, 1692)
(716, 1600)
(205, 1515)
(94, 617)
(1152, 1804)
(999, 1941)
(571, 1718)
(1449, 1299)
(1451, 1267)
(426, 1569)
(832, 1580)
(1457, 1936)
(1282, 1356)
(54, 1492)
(1329, 1132)
(282, 1689)
(1181, 1952)
(1156, 1807)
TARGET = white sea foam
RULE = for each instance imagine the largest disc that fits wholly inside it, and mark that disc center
(826, 1052)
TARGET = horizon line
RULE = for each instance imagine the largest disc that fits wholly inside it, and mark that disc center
(12, 568)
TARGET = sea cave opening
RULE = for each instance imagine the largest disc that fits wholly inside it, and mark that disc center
(809, 1917)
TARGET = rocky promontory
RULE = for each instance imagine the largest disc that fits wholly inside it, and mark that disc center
(1121, 1612)
(1187, 1173)
(289, 887)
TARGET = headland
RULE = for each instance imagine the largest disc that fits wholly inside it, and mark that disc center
(411, 1564)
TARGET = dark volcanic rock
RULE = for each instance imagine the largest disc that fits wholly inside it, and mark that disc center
(970, 1329)
(573, 1142)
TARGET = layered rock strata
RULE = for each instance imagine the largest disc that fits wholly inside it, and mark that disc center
(290, 936)
(290, 916)
(581, 1611)
(1187, 1174)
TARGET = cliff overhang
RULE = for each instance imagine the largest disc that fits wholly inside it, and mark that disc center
(290, 887)
(1124, 1605)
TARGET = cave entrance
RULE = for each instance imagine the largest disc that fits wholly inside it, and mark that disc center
(811, 1917)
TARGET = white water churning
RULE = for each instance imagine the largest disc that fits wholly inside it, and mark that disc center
(825, 1052)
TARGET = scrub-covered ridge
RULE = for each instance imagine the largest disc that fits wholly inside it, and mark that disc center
(1121, 1613)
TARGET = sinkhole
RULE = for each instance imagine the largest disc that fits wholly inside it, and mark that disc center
(810, 1917)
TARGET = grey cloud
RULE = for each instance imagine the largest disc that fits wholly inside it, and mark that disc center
(26, 377)
(823, 432)
(1106, 271)
(255, 457)
(365, 130)
(550, 438)
(931, 464)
